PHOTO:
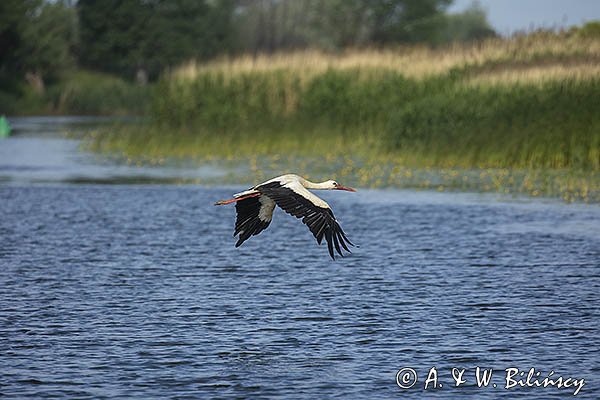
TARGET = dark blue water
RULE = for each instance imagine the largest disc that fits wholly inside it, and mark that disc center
(136, 291)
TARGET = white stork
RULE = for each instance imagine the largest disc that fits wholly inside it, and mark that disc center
(255, 207)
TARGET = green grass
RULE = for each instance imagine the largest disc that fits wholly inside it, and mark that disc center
(437, 122)
(553, 125)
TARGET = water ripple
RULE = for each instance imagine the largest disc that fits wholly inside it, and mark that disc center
(138, 292)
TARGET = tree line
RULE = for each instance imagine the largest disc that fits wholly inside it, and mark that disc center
(138, 39)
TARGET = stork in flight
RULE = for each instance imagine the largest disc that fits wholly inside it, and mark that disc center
(255, 207)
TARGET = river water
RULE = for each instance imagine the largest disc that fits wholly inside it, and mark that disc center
(110, 289)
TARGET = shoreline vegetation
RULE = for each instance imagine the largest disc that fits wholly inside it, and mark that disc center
(516, 115)
(80, 92)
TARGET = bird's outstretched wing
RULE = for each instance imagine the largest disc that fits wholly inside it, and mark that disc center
(315, 213)
(254, 215)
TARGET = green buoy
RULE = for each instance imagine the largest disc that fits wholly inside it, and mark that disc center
(4, 127)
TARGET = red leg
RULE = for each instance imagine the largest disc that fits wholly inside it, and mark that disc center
(223, 202)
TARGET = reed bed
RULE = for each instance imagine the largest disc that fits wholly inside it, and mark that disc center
(527, 105)
(412, 62)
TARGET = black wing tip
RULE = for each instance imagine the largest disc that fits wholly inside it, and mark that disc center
(340, 253)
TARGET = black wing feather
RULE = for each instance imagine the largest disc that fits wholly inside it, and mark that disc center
(319, 220)
(247, 222)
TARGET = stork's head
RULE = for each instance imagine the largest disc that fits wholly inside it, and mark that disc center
(333, 185)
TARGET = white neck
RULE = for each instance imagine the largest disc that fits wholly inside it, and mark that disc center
(312, 185)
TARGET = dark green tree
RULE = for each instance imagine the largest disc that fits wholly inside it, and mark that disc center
(343, 23)
(407, 21)
(270, 25)
(466, 26)
(113, 34)
(14, 16)
(143, 37)
(48, 41)
(36, 40)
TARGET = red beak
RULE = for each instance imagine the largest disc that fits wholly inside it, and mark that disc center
(349, 189)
